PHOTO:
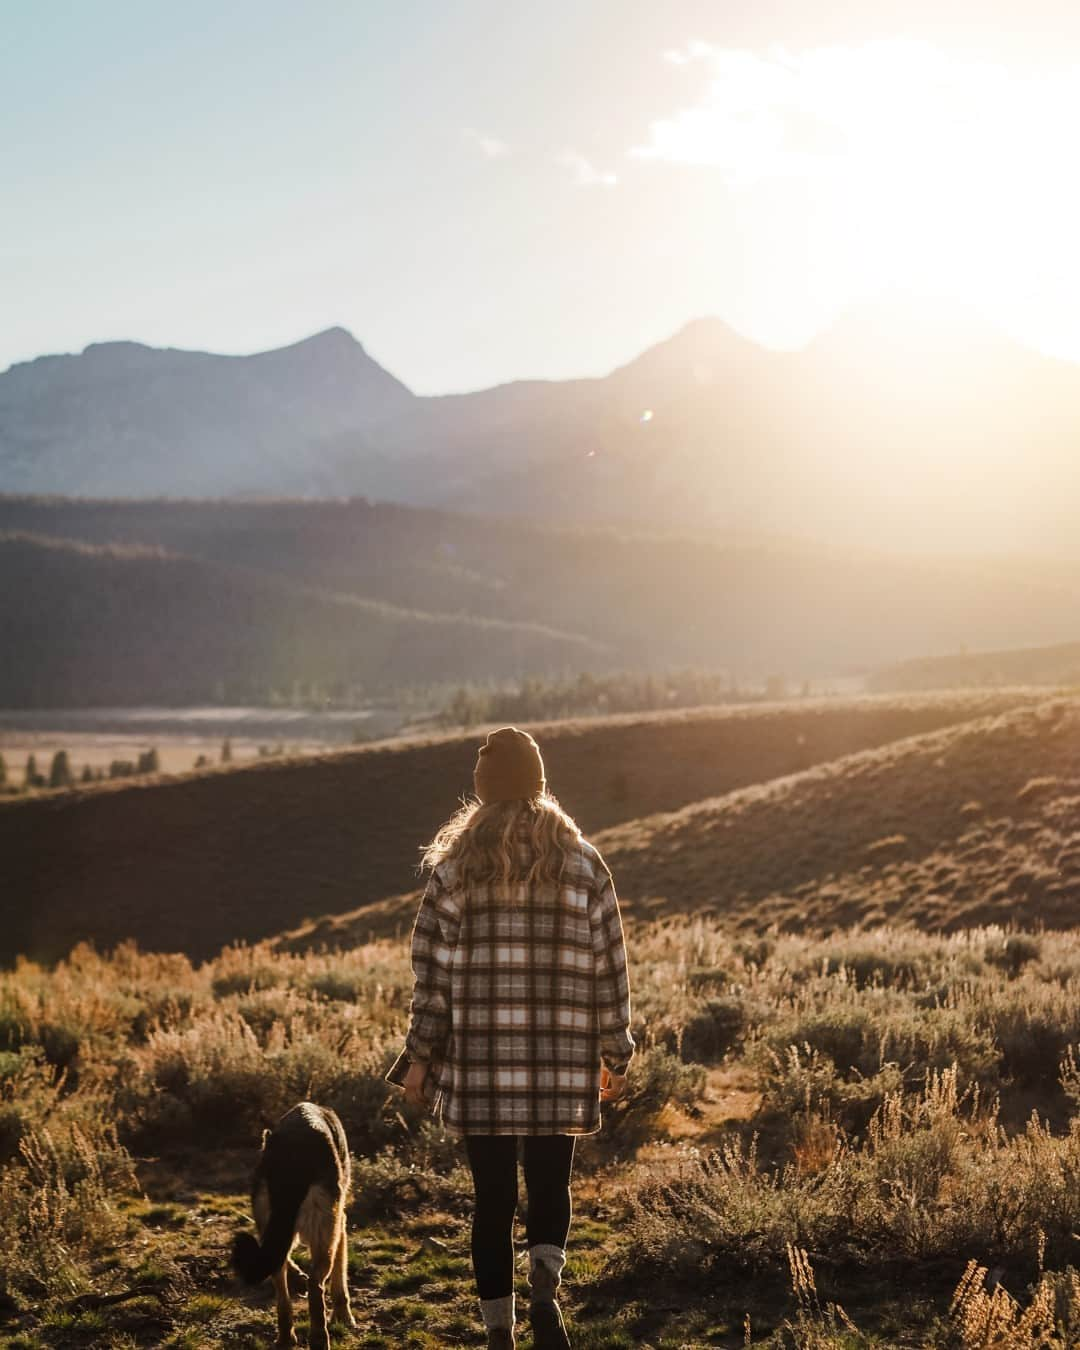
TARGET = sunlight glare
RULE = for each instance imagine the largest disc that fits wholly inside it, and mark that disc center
(920, 169)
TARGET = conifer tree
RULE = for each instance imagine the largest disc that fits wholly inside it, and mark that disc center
(60, 772)
(148, 761)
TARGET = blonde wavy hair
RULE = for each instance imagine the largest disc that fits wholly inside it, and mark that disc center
(483, 841)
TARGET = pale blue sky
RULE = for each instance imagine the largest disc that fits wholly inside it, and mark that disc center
(482, 191)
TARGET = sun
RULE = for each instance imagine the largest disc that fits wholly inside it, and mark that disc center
(893, 164)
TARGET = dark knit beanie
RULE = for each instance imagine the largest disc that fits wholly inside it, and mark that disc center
(508, 766)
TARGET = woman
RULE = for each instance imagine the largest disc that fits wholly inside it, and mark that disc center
(520, 1016)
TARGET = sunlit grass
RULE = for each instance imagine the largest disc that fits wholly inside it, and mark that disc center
(868, 1066)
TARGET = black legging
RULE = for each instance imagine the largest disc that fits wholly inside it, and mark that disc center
(548, 1159)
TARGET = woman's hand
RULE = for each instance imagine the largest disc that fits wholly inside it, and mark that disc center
(415, 1078)
(612, 1086)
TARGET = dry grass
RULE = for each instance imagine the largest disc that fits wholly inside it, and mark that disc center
(883, 1138)
(865, 1137)
(971, 824)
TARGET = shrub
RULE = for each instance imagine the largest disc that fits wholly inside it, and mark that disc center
(214, 1080)
(657, 1079)
(58, 1209)
(935, 1177)
(715, 1029)
(1011, 952)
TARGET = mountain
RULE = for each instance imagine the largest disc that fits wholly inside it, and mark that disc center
(85, 625)
(126, 419)
(916, 429)
(247, 851)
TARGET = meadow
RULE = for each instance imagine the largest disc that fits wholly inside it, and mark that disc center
(822, 1136)
(854, 1120)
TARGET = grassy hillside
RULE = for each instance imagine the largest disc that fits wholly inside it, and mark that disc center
(1058, 665)
(974, 823)
(86, 624)
(849, 1141)
(191, 862)
(658, 599)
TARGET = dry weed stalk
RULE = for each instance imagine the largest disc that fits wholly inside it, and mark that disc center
(814, 1328)
(991, 1319)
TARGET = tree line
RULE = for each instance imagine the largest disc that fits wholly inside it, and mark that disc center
(61, 774)
(537, 699)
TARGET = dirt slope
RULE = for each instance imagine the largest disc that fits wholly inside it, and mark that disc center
(971, 824)
(192, 862)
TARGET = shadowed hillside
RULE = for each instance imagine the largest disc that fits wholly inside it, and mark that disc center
(971, 824)
(98, 624)
(192, 862)
(659, 600)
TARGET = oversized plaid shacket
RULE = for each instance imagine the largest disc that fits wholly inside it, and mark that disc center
(519, 994)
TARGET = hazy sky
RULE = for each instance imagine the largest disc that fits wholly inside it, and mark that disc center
(486, 190)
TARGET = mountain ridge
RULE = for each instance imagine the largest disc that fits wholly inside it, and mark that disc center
(917, 439)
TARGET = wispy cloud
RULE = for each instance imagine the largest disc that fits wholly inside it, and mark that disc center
(489, 146)
(693, 51)
(585, 172)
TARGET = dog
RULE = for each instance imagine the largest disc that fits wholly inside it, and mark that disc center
(299, 1190)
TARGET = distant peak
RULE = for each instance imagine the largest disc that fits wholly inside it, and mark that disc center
(700, 349)
(123, 358)
(117, 348)
(330, 337)
(706, 325)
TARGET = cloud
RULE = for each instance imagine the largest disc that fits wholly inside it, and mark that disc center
(693, 51)
(585, 173)
(898, 107)
(489, 146)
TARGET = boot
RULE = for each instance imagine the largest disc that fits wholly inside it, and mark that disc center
(498, 1315)
(545, 1276)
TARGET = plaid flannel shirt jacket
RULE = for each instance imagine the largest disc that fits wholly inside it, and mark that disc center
(519, 994)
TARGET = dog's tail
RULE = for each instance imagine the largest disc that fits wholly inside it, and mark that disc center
(253, 1260)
